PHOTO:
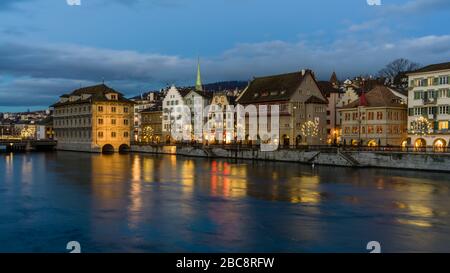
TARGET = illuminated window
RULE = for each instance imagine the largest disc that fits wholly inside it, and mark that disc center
(443, 125)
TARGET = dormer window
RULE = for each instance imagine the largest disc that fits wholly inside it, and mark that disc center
(113, 96)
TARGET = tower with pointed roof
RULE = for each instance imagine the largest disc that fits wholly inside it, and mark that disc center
(334, 80)
(198, 84)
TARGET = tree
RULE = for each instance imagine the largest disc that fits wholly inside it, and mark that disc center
(310, 129)
(396, 70)
(398, 66)
(421, 127)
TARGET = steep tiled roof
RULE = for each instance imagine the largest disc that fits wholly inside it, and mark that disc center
(272, 88)
(432, 67)
(327, 87)
(97, 92)
(380, 96)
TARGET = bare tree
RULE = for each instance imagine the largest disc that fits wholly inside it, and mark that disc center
(399, 66)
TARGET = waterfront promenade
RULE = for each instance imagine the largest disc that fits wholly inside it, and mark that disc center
(425, 159)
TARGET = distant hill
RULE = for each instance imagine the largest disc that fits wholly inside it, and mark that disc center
(210, 87)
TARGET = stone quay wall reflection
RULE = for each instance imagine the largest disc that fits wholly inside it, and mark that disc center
(395, 160)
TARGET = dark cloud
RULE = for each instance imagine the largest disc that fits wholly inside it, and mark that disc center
(41, 73)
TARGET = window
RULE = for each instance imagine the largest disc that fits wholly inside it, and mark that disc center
(125, 122)
(370, 116)
(125, 134)
(113, 134)
(113, 121)
(379, 115)
(100, 121)
(443, 80)
(100, 108)
(114, 97)
(113, 109)
(443, 125)
(379, 129)
(100, 134)
(125, 109)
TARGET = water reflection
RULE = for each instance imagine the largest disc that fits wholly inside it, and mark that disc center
(167, 203)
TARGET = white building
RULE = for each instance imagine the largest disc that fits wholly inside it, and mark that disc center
(173, 101)
(192, 100)
(428, 103)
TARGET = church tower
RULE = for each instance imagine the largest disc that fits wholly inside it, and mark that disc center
(198, 84)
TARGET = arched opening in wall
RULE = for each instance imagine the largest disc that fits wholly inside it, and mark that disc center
(124, 148)
(108, 149)
(355, 142)
(298, 140)
(420, 144)
(406, 142)
(285, 140)
(439, 145)
(372, 143)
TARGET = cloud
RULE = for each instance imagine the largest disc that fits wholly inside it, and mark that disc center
(41, 73)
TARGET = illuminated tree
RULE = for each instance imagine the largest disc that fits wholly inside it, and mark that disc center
(27, 133)
(310, 129)
(421, 127)
(148, 133)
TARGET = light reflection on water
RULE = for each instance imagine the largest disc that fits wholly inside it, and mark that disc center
(148, 203)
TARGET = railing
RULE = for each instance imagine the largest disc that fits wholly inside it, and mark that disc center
(306, 148)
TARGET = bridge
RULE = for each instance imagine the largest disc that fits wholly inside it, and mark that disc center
(23, 145)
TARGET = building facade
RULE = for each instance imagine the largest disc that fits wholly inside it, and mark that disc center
(376, 118)
(428, 103)
(151, 126)
(93, 119)
(172, 105)
(333, 94)
(302, 106)
(141, 103)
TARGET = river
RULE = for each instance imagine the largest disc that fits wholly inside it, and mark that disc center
(150, 203)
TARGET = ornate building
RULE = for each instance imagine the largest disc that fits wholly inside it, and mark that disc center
(93, 119)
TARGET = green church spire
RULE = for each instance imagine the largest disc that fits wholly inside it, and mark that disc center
(198, 84)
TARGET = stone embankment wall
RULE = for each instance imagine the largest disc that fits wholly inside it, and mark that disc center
(396, 160)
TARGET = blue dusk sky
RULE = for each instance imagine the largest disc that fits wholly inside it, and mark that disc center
(48, 47)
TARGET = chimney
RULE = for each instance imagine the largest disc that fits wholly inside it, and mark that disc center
(303, 72)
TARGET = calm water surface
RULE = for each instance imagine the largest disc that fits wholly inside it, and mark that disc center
(148, 203)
